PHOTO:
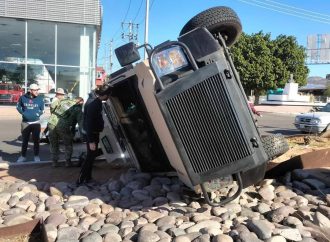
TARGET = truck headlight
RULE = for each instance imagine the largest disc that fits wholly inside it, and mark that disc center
(297, 120)
(169, 60)
(315, 121)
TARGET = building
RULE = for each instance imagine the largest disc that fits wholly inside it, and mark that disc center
(50, 42)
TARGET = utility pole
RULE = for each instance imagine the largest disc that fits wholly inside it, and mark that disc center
(146, 29)
(132, 31)
(110, 57)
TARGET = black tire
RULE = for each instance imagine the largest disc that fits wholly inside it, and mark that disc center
(274, 145)
(221, 20)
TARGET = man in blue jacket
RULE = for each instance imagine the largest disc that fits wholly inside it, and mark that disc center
(31, 107)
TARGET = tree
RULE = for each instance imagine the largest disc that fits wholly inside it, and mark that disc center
(327, 92)
(265, 64)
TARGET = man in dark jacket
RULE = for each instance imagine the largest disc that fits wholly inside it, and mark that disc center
(31, 107)
(93, 125)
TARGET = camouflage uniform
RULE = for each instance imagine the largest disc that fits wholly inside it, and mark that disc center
(61, 125)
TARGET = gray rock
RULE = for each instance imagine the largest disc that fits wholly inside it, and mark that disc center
(114, 217)
(141, 195)
(80, 203)
(267, 192)
(51, 232)
(280, 213)
(92, 237)
(249, 237)
(222, 238)
(175, 232)
(233, 208)
(150, 227)
(316, 184)
(148, 236)
(16, 219)
(86, 222)
(112, 238)
(217, 211)
(321, 220)
(12, 201)
(108, 229)
(168, 220)
(291, 234)
(203, 224)
(56, 219)
(68, 233)
(263, 208)
(202, 238)
(116, 185)
(262, 228)
(152, 216)
(187, 237)
(4, 197)
(301, 186)
(173, 196)
(92, 208)
(276, 238)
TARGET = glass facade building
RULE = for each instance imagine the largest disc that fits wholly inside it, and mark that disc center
(50, 42)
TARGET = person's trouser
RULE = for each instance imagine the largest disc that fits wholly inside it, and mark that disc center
(86, 170)
(55, 134)
(27, 129)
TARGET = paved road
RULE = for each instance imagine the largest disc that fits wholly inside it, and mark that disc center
(272, 123)
(10, 144)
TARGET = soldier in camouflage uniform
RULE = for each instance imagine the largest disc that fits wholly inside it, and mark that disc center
(62, 125)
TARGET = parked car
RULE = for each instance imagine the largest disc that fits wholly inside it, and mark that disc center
(10, 93)
(314, 122)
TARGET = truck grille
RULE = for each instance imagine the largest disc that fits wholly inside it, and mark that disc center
(5, 97)
(207, 126)
(305, 120)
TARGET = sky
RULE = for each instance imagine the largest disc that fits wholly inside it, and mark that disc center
(298, 18)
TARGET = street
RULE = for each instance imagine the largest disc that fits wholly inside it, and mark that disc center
(272, 123)
(10, 145)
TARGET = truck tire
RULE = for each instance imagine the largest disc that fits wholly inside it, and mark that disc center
(221, 20)
(274, 145)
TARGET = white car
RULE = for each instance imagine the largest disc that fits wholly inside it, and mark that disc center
(314, 122)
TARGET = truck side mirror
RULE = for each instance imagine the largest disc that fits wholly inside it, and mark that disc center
(127, 54)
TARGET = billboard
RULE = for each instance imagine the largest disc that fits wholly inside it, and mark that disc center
(318, 49)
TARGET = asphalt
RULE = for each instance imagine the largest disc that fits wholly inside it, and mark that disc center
(10, 142)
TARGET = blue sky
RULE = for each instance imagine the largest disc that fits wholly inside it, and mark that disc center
(290, 17)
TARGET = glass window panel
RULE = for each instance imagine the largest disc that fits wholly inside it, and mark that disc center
(14, 73)
(68, 78)
(12, 39)
(90, 33)
(41, 41)
(41, 75)
(68, 44)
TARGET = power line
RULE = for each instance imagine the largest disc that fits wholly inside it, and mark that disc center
(138, 11)
(284, 11)
(301, 9)
(117, 31)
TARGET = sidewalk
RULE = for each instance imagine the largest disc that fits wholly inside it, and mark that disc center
(283, 109)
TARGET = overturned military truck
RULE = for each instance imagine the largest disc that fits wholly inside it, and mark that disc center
(184, 109)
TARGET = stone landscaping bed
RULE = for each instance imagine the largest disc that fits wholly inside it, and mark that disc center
(142, 207)
(134, 206)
